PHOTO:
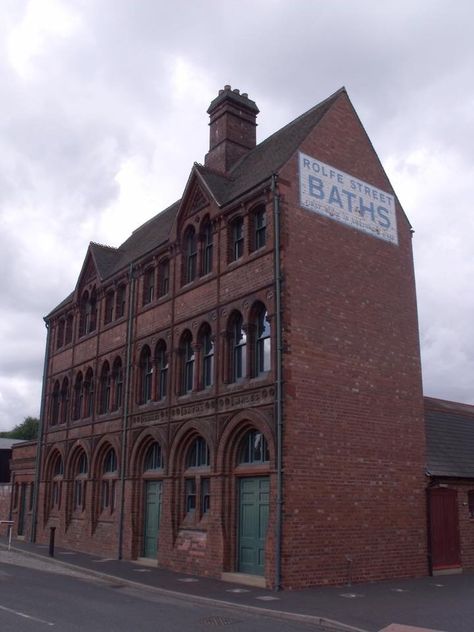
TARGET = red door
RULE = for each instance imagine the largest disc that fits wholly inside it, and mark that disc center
(444, 528)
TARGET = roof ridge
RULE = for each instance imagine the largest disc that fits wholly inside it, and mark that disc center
(105, 246)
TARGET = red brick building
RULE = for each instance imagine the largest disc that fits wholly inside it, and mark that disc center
(237, 388)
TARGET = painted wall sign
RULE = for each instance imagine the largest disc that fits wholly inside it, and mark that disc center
(339, 196)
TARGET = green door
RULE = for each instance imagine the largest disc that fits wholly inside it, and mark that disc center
(253, 521)
(152, 518)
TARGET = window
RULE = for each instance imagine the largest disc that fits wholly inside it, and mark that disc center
(163, 278)
(57, 473)
(117, 377)
(262, 342)
(120, 302)
(69, 327)
(187, 363)
(161, 358)
(55, 403)
(80, 477)
(207, 248)
(108, 482)
(109, 307)
(88, 313)
(146, 375)
(253, 448)
(190, 255)
(105, 388)
(470, 502)
(64, 401)
(207, 357)
(89, 393)
(148, 286)
(153, 458)
(237, 236)
(78, 397)
(196, 486)
(259, 228)
(60, 334)
(238, 349)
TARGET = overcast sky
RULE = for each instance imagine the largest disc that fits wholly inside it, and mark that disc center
(103, 112)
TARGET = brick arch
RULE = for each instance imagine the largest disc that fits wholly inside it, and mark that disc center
(140, 447)
(181, 443)
(51, 457)
(233, 434)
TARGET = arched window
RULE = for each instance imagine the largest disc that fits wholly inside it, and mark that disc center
(55, 403)
(196, 481)
(190, 255)
(153, 458)
(120, 301)
(238, 348)
(148, 286)
(163, 277)
(187, 363)
(236, 239)
(117, 377)
(69, 328)
(259, 227)
(64, 401)
(263, 358)
(108, 481)
(146, 375)
(92, 311)
(109, 307)
(207, 239)
(206, 345)
(80, 481)
(88, 393)
(105, 388)
(161, 360)
(88, 313)
(253, 448)
(57, 474)
(78, 397)
(60, 334)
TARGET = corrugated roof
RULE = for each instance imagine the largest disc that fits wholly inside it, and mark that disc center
(449, 438)
(6, 444)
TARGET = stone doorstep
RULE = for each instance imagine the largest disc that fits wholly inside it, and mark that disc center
(242, 578)
(146, 561)
(397, 627)
(447, 571)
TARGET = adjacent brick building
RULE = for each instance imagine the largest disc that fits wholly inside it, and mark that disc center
(237, 388)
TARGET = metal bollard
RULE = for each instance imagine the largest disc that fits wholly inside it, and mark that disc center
(52, 531)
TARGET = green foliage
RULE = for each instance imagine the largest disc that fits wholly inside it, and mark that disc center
(27, 430)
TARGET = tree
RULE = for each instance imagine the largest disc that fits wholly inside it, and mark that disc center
(27, 430)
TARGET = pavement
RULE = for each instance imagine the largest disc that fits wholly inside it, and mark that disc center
(427, 604)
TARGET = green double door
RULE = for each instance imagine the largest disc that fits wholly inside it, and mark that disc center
(253, 522)
(153, 491)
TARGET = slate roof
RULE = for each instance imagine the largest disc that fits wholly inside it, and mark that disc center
(449, 438)
(254, 168)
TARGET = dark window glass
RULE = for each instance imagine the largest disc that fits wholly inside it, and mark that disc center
(146, 375)
(118, 383)
(65, 400)
(110, 462)
(105, 388)
(60, 335)
(198, 453)
(207, 350)
(162, 368)
(120, 302)
(205, 495)
(164, 278)
(55, 404)
(109, 307)
(89, 393)
(190, 493)
(263, 346)
(190, 248)
(207, 248)
(238, 350)
(69, 327)
(254, 448)
(188, 364)
(470, 499)
(154, 458)
(148, 286)
(260, 226)
(78, 397)
(237, 230)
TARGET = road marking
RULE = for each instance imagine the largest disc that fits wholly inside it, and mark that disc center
(25, 616)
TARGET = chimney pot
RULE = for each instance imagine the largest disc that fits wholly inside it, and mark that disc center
(236, 90)
(227, 87)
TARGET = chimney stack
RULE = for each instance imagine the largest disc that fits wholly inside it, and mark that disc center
(233, 129)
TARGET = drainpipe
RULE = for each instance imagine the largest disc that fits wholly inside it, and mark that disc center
(278, 383)
(39, 440)
(128, 369)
